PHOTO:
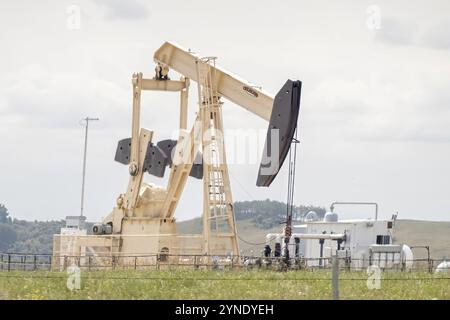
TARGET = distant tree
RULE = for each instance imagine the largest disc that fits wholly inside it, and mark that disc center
(267, 214)
(34, 237)
(4, 214)
(7, 236)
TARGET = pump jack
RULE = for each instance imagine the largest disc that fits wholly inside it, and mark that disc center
(143, 220)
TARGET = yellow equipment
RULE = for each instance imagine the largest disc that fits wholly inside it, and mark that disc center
(143, 220)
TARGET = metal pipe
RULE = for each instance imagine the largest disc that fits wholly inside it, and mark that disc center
(87, 119)
(321, 241)
(297, 247)
(430, 269)
(357, 203)
(329, 236)
(318, 236)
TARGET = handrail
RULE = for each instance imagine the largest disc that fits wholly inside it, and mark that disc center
(356, 203)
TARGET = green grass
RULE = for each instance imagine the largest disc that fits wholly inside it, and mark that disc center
(196, 284)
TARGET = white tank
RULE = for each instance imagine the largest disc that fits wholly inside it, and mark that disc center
(330, 217)
(407, 257)
(444, 266)
(311, 216)
(273, 237)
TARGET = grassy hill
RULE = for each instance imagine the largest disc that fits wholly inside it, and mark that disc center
(435, 234)
(411, 232)
(254, 220)
(251, 236)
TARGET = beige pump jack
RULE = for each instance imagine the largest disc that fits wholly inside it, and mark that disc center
(143, 221)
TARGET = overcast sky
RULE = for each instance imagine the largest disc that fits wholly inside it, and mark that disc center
(375, 110)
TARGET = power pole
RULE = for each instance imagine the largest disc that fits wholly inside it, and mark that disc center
(87, 119)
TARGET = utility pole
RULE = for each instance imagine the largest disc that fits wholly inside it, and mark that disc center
(87, 119)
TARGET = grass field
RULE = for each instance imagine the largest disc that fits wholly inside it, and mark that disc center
(197, 284)
(220, 285)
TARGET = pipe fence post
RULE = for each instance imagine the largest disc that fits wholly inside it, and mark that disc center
(335, 277)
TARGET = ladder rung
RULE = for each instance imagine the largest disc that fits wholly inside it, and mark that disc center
(223, 235)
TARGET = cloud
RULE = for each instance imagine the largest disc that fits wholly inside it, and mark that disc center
(42, 98)
(383, 109)
(35, 98)
(395, 31)
(400, 32)
(123, 10)
(437, 36)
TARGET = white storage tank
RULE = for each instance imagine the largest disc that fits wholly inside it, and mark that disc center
(444, 266)
(407, 256)
(311, 216)
(330, 217)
